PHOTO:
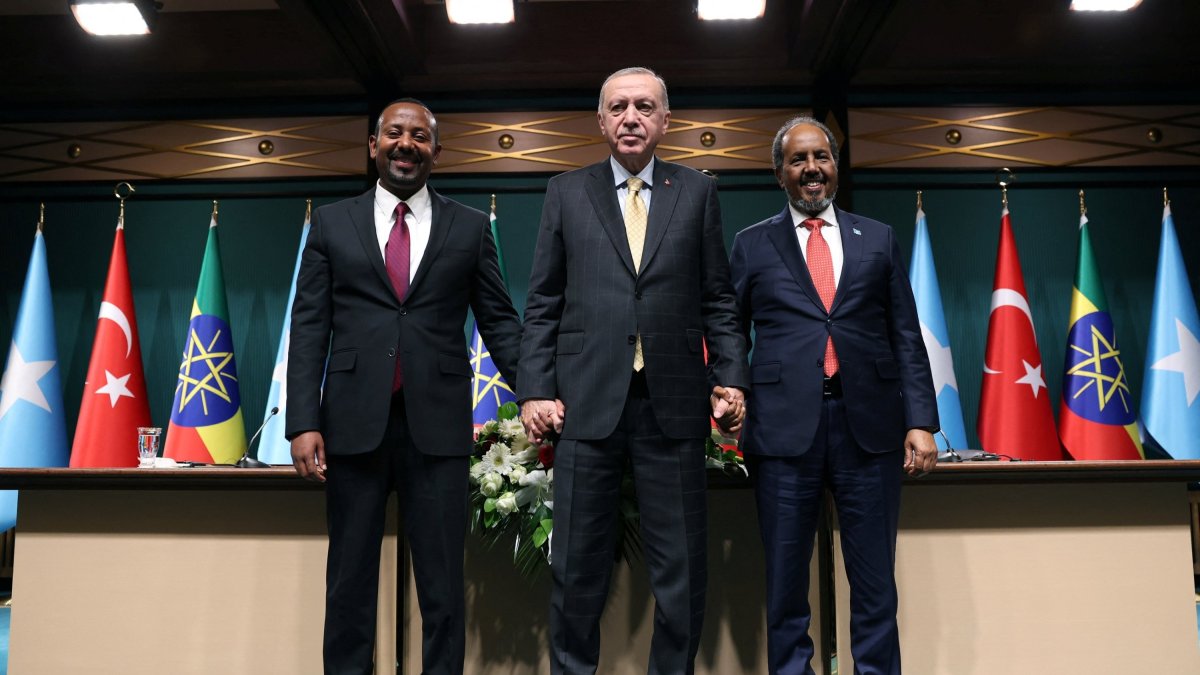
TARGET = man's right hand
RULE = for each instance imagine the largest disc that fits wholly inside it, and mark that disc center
(540, 416)
(308, 456)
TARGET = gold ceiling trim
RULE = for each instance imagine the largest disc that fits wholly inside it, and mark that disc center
(163, 160)
(1083, 137)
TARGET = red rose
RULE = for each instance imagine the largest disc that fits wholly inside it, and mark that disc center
(546, 456)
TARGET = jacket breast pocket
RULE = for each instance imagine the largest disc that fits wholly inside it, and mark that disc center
(342, 360)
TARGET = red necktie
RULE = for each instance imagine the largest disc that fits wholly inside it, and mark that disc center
(395, 260)
(820, 266)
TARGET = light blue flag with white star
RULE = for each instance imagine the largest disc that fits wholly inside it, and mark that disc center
(33, 430)
(1171, 391)
(273, 447)
(928, 294)
(489, 391)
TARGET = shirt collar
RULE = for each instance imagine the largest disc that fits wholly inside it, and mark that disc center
(828, 215)
(621, 174)
(386, 201)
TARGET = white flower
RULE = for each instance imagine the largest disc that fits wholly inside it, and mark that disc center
(537, 478)
(512, 428)
(490, 484)
(506, 503)
(498, 459)
(520, 446)
(518, 472)
(489, 427)
(478, 470)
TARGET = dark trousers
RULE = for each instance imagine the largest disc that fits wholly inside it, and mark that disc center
(670, 482)
(866, 492)
(433, 496)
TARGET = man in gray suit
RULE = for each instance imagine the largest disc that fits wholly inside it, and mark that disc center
(630, 281)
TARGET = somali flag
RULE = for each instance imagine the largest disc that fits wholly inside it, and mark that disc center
(33, 430)
(923, 277)
(273, 447)
(1170, 405)
(489, 391)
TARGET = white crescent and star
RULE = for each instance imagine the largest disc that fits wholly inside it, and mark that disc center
(941, 363)
(1007, 297)
(116, 315)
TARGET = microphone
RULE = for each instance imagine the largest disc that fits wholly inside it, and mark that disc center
(248, 462)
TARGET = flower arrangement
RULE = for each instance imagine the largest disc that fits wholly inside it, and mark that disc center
(512, 490)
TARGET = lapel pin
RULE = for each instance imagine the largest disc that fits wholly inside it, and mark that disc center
(856, 231)
(666, 181)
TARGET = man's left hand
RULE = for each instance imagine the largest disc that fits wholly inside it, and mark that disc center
(728, 408)
(920, 453)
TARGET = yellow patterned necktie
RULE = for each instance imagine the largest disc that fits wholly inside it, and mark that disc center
(635, 230)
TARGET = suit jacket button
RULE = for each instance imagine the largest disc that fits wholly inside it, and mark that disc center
(638, 295)
(403, 311)
(633, 339)
(392, 352)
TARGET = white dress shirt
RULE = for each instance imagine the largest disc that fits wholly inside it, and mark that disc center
(831, 231)
(621, 175)
(419, 219)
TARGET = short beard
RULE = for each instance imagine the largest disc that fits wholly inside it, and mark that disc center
(813, 208)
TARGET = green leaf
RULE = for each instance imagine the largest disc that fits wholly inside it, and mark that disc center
(508, 411)
(489, 505)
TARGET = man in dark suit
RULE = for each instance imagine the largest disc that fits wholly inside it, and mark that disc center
(630, 280)
(843, 398)
(385, 282)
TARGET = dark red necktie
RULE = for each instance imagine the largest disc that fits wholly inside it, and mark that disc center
(820, 266)
(395, 260)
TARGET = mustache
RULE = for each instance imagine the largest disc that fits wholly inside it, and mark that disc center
(401, 154)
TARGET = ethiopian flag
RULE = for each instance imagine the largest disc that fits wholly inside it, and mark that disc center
(1097, 419)
(206, 417)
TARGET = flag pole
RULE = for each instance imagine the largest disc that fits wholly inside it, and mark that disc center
(214, 213)
(1082, 205)
(41, 216)
(1166, 199)
(308, 210)
(920, 207)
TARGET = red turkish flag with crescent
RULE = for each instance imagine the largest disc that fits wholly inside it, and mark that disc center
(1015, 416)
(114, 395)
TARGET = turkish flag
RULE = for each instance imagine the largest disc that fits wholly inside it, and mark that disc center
(1015, 418)
(114, 395)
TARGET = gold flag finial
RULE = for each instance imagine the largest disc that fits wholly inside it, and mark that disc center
(308, 210)
(920, 206)
(493, 203)
(129, 190)
(41, 216)
(1005, 177)
(1166, 199)
(214, 213)
(1082, 204)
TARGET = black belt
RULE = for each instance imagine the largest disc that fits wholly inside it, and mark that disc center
(831, 387)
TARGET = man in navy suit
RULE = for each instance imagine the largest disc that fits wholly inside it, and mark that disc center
(381, 300)
(843, 398)
(630, 280)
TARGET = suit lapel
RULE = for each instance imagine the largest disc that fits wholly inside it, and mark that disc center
(602, 192)
(439, 229)
(852, 248)
(362, 215)
(662, 206)
(782, 233)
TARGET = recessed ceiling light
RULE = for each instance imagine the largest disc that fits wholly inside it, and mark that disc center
(109, 17)
(480, 11)
(1104, 5)
(719, 10)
